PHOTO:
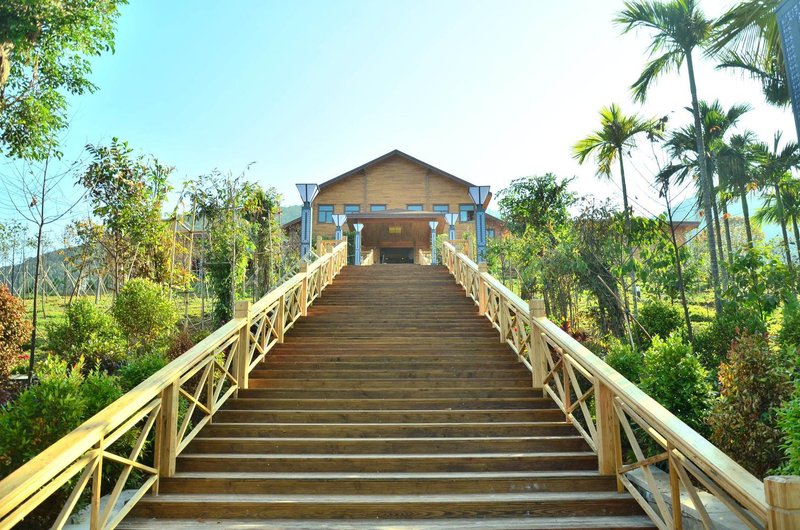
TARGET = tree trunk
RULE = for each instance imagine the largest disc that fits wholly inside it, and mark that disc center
(727, 224)
(746, 213)
(784, 232)
(13, 268)
(628, 239)
(679, 271)
(31, 359)
(706, 185)
(796, 233)
(718, 234)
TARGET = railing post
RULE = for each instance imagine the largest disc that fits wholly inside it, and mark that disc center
(482, 268)
(502, 318)
(280, 318)
(783, 498)
(537, 347)
(331, 262)
(304, 289)
(609, 450)
(320, 246)
(166, 449)
(242, 310)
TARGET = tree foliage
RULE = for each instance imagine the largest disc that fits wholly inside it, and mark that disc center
(15, 330)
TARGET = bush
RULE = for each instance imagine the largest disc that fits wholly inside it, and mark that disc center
(145, 315)
(754, 381)
(100, 390)
(789, 334)
(626, 360)
(180, 342)
(15, 330)
(86, 332)
(789, 422)
(673, 376)
(140, 368)
(658, 318)
(713, 343)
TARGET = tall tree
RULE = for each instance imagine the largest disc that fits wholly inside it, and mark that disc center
(774, 171)
(678, 27)
(616, 136)
(747, 39)
(736, 162)
(45, 47)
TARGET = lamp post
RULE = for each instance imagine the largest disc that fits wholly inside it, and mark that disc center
(451, 219)
(433, 225)
(308, 192)
(339, 219)
(357, 258)
(479, 194)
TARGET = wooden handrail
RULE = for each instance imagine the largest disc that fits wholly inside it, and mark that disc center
(153, 405)
(547, 349)
(368, 259)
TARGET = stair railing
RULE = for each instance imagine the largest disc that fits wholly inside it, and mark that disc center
(368, 258)
(602, 404)
(173, 404)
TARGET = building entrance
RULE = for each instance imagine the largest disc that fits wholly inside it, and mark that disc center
(397, 255)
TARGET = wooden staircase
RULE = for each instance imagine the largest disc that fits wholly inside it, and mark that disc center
(393, 405)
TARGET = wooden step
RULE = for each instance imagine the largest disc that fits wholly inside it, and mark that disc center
(382, 463)
(548, 504)
(384, 383)
(436, 403)
(387, 416)
(391, 392)
(408, 446)
(632, 522)
(380, 483)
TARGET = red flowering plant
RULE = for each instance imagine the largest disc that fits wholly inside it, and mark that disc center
(15, 330)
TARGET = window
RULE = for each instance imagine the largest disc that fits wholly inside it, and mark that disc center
(441, 208)
(377, 207)
(414, 208)
(490, 233)
(325, 213)
(466, 213)
(352, 208)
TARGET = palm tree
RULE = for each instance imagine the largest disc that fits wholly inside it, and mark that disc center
(616, 136)
(748, 39)
(775, 173)
(736, 167)
(678, 27)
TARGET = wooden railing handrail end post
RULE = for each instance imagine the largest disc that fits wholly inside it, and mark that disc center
(304, 289)
(482, 268)
(783, 498)
(536, 347)
(241, 309)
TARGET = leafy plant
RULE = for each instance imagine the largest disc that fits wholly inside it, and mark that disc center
(789, 334)
(15, 330)
(713, 343)
(626, 360)
(89, 333)
(673, 376)
(658, 319)
(753, 381)
(140, 368)
(789, 422)
(145, 315)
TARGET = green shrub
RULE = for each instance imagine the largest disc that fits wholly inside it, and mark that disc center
(789, 422)
(754, 381)
(673, 376)
(100, 390)
(789, 334)
(140, 368)
(145, 315)
(626, 360)
(713, 343)
(86, 332)
(15, 330)
(657, 318)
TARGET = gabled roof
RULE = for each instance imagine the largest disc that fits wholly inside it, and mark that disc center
(387, 156)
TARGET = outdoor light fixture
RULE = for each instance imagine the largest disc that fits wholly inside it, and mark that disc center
(308, 192)
(479, 195)
(433, 225)
(357, 258)
(451, 219)
(339, 219)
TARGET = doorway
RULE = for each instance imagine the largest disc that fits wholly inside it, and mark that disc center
(397, 255)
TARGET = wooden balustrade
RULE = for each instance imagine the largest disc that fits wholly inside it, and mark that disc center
(171, 406)
(423, 257)
(602, 405)
(368, 258)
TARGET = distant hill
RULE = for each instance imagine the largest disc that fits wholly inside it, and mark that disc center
(290, 213)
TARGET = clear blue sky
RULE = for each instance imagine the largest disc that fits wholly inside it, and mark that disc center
(487, 90)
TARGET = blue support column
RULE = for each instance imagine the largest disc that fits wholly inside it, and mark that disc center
(339, 220)
(480, 196)
(357, 258)
(451, 219)
(433, 225)
(308, 193)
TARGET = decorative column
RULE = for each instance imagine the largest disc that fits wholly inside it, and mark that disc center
(451, 219)
(308, 192)
(357, 258)
(433, 225)
(339, 219)
(479, 194)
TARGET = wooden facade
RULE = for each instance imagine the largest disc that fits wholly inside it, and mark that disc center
(395, 196)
